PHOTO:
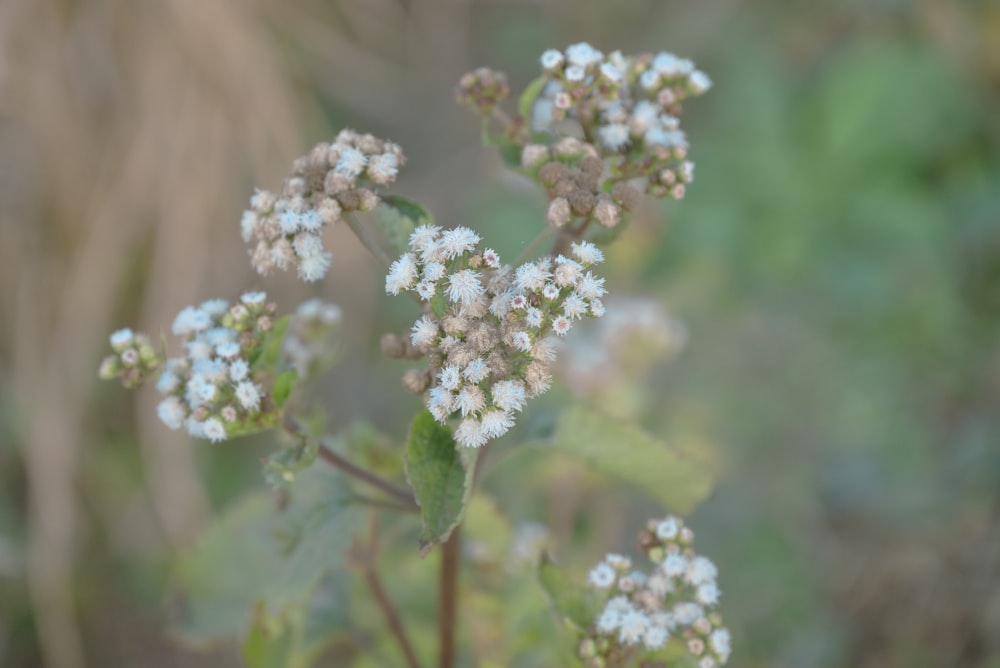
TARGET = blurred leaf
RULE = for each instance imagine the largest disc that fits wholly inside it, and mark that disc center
(487, 524)
(282, 467)
(270, 352)
(678, 479)
(283, 386)
(397, 217)
(528, 97)
(573, 601)
(256, 556)
(440, 482)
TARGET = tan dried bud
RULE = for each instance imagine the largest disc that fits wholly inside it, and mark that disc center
(568, 147)
(417, 381)
(317, 156)
(607, 213)
(553, 172)
(581, 202)
(300, 165)
(558, 213)
(335, 183)
(626, 195)
(592, 166)
(329, 211)
(533, 154)
(392, 345)
(476, 261)
(368, 200)
(454, 324)
(349, 200)
(369, 144)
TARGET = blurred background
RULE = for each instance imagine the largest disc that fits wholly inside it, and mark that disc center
(836, 264)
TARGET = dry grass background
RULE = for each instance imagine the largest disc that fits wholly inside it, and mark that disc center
(130, 136)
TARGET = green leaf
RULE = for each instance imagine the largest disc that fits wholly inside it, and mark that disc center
(261, 557)
(282, 467)
(679, 477)
(573, 601)
(528, 97)
(440, 482)
(439, 305)
(397, 217)
(283, 386)
(511, 155)
(269, 356)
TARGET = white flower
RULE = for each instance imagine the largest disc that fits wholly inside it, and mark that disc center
(424, 236)
(449, 378)
(602, 576)
(238, 370)
(567, 272)
(521, 341)
(402, 274)
(311, 220)
(171, 412)
(227, 349)
(491, 258)
(214, 430)
(470, 433)
(426, 290)
(167, 382)
(614, 136)
(351, 162)
(666, 64)
(674, 565)
(720, 641)
(583, 54)
(313, 267)
(551, 59)
(587, 253)
(121, 338)
(644, 115)
(590, 286)
(253, 298)
(561, 325)
(424, 332)
(687, 171)
(195, 429)
(464, 286)
(609, 620)
(262, 201)
(458, 240)
(307, 244)
(655, 637)
(686, 613)
(533, 317)
(701, 570)
(508, 395)
(476, 370)
(439, 401)
(550, 291)
(650, 80)
(530, 276)
(612, 73)
(433, 271)
(633, 627)
(708, 594)
(215, 307)
(574, 306)
(191, 320)
(288, 221)
(544, 349)
(383, 168)
(248, 395)
(707, 662)
(618, 561)
(574, 74)
(667, 529)
(496, 423)
(596, 308)
(470, 400)
(518, 302)
(198, 349)
(659, 585)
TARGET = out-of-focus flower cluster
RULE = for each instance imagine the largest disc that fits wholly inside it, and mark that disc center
(212, 389)
(133, 361)
(482, 89)
(332, 180)
(643, 611)
(487, 328)
(308, 342)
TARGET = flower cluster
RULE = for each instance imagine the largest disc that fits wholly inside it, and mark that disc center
(307, 343)
(332, 180)
(133, 361)
(482, 89)
(487, 331)
(645, 611)
(212, 390)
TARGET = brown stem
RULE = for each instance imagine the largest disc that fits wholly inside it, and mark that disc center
(334, 459)
(448, 598)
(366, 558)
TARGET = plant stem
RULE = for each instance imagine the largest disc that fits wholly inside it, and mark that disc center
(448, 598)
(367, 560)
(334, 459)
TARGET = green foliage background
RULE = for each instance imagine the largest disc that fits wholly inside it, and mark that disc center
(837, 263)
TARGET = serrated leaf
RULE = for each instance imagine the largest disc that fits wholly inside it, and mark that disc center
(678, 478)
(574, 603)
(440, 482)
(257, 557)
(528, 97)
(397, 217)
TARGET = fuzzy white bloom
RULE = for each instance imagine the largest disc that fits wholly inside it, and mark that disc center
(551, 291)
(521, 341)
(533, 317)
(424, 236)
(426, 290)
(618, 561)
(574, 306)
(439, 403)
(351, 162)
(491, 258)
(551, 59)
(667, 529)
(307, 244)
(476, 371)
(313, 267)
(590, 286)
(567, 272)
(470, 400)
(311, 220)
(574, 74)
(383, 168)
(470, 433)
(645, 114)
(634, 624)
(686, 613)
(402, 274)
(687, 171)
(171, 412)
(458, 240)
(561, 325)
(609, 620)
(191, 320)
(214, 430)
(121, 338)
(449, 378)
(433, 271)
(496, 423)
(508, 395)
(583, 54)
(587, 253)
(707, 662)
(248, 395)
(253, 298)
(612, 73)
(701, 570)
(707, 594)
(530, 276)
(602, 576)
(227, 349)
(674, 565)
(614, 136)
(721, 643)
(167, 382)
(424, 332)
(248, 224)
(655, 637)
(288, 221)
(238, 370)
(464, 286)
